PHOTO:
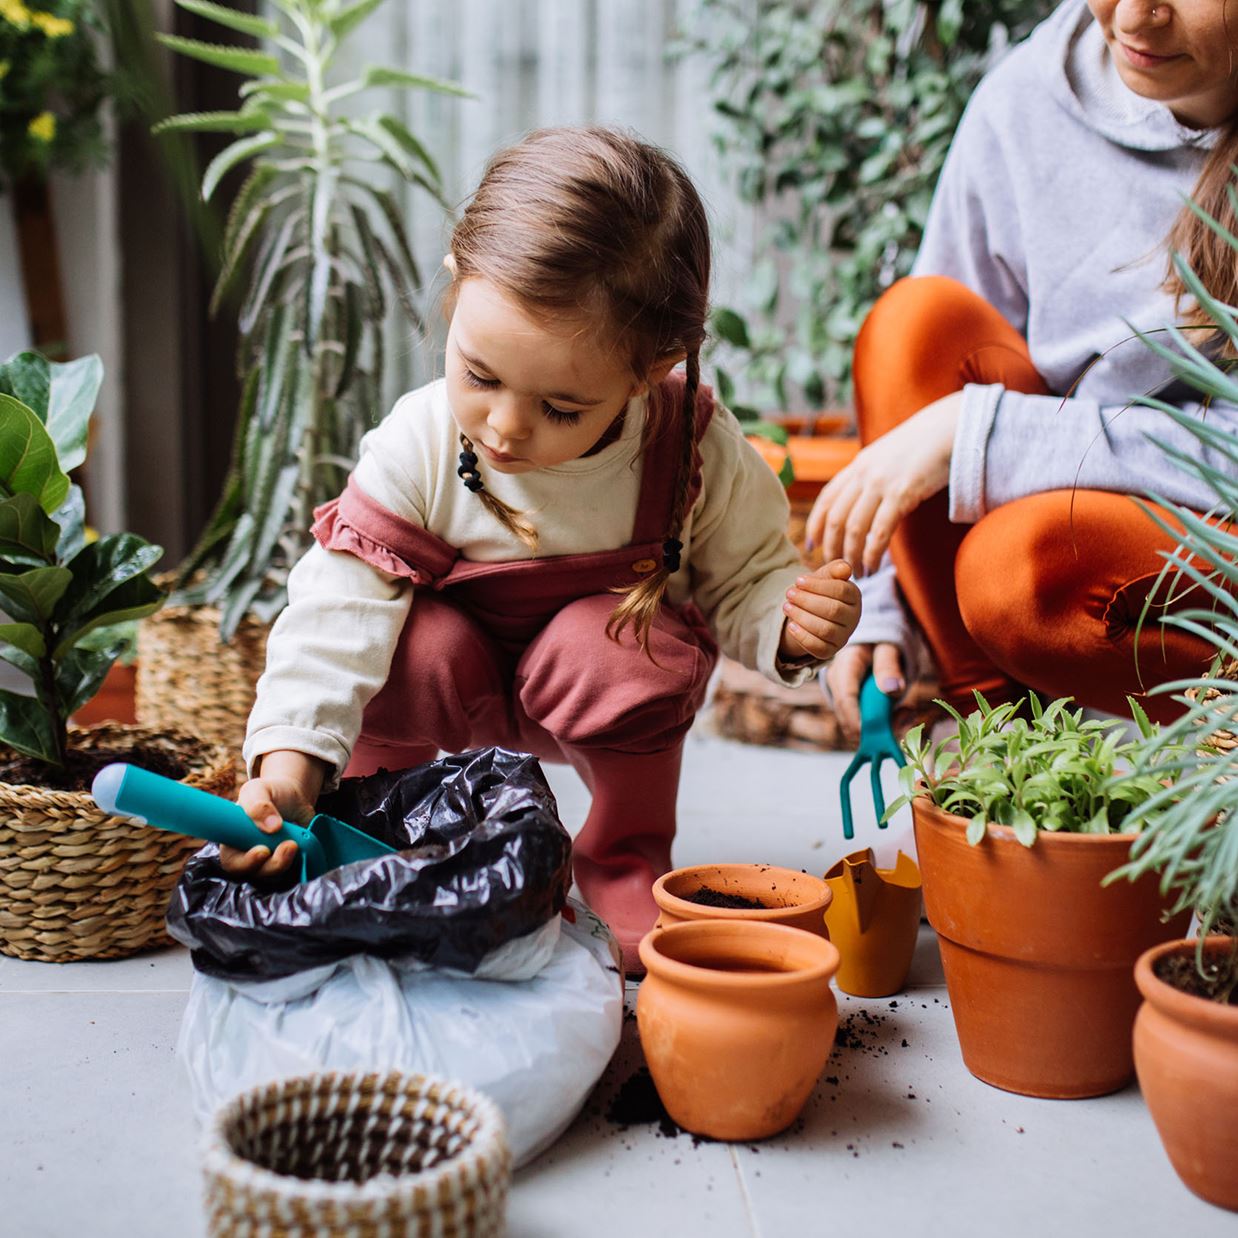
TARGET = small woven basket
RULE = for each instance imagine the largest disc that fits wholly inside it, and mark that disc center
(366, 1155)
(77, 884)
(1222, 739)
(189, 680)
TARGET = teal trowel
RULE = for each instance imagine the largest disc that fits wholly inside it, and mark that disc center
(324, 844)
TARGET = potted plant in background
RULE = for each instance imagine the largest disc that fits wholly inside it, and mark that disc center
(1186, 1033)
(74, 883)
(315, 248)
(1017, 821)
(835, 120)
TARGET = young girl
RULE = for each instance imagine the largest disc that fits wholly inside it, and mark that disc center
(540, 550)
(993, 390)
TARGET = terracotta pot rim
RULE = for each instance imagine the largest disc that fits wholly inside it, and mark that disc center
(658, 964)
(1187, 1007)
(672, 903)
(1005, 833)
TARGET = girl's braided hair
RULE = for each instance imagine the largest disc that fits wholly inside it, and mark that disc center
(596, 223)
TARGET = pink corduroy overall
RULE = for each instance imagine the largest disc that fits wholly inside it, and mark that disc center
(516, 654)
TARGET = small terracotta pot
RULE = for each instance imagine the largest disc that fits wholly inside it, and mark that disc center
(873, 920)
(790, 897)
(737, 1020)
(1186, 1054)
(1038, 956)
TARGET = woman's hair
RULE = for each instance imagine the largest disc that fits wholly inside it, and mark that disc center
(596, 224)
(1213, 259)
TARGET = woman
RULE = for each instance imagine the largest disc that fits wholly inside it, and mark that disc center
(993, 387)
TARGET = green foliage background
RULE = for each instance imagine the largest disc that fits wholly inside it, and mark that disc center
(835, 120)
(56, 73)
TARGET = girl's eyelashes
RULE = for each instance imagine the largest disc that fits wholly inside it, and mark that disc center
(559, 416)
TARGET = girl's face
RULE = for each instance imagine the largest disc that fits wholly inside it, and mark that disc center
(530, 394)
(1182, 53)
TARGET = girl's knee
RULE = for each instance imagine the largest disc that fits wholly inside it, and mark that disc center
(585, 688)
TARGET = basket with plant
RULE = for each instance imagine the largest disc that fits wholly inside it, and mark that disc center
(1018, 819)
(74, 883)
(314, 251)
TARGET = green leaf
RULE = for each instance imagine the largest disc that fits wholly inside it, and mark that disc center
(22, 644)
(213, 122)
(406, 139)
(235, 59)
(102, 568)
(26, 726)
(31, 597)
(70, 518)
(81, 672)
(28, 456)
(377, 75)
(234, 20)
(27, 377)
(347, 18)
(71, 400)
(231, 155)
(731, 327)
(135, 599)
(27, 533)
(977, 827)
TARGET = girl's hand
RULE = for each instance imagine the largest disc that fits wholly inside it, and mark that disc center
(822, 610)
(285, 791)
(845, 675)
(856, 514)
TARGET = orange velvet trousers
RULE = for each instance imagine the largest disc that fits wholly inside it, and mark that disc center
(1045, 592)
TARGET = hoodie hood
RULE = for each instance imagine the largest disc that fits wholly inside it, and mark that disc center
(1081, 75)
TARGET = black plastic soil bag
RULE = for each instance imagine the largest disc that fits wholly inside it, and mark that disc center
(483, 859)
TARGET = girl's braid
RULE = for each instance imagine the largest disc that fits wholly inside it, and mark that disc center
(504, 513)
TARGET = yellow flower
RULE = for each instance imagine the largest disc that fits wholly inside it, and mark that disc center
(4, 68)
(52, 26)
(43, 127)
(15, 13)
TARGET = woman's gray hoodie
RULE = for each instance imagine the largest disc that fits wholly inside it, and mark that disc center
(1054, 204)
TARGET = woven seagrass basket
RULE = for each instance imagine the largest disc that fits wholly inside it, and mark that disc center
(188, 680)
(77, 884)
(1222, 739)
(366, 1155)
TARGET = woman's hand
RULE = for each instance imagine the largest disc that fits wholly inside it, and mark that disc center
(856, 514)
(846, 674)
(285, 791)
(822, 610)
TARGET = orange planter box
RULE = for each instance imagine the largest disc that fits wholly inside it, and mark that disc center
(815, 459)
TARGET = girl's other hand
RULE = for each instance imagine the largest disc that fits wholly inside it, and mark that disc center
(856, 514)
(846, 674)
(269, 801)
(822, 610)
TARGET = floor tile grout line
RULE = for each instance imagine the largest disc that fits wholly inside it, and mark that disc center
(743, 1190)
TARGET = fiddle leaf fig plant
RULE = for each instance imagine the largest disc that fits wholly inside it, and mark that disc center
(60, 592)
(1050, 771)
(314, 250)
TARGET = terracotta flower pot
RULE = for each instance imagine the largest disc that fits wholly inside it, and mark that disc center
(1186, 1053)
(873, 920)
(1038, 956)
(790, 897)
(737, 1020)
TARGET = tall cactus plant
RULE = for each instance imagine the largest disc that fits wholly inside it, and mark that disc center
(313, 249)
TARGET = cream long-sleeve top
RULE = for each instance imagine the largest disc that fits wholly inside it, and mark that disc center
(331, 648)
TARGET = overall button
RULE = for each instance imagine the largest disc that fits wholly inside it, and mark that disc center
(642, 567)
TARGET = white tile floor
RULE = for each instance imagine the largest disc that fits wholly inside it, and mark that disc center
(98, 1141)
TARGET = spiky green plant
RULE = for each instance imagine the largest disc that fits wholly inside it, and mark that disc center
(315, 246)
(1190, 830)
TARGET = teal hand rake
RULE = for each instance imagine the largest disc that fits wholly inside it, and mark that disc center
(877, 742)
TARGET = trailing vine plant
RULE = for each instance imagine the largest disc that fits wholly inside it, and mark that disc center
(835, 121)
(314, 247)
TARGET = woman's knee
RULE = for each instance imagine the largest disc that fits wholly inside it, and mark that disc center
(587, 689)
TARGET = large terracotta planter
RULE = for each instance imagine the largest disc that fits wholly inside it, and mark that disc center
(790, 897)
(737, 1020)
(1186, 1053)
(1038, 956)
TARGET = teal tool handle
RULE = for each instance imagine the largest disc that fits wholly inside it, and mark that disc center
(170, 805)
(876, 716)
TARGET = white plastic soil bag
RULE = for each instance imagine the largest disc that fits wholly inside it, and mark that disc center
(535, 1045)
